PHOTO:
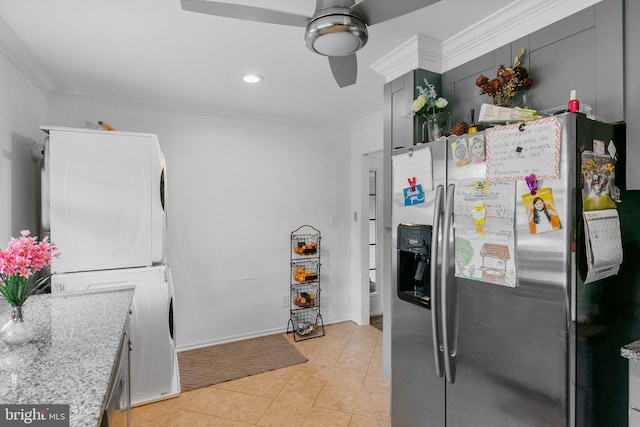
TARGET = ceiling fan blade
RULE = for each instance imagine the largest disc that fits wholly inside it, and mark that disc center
(344, 69)
(247, 13)
(375, 11)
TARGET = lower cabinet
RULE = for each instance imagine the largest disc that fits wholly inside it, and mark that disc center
(118, 400)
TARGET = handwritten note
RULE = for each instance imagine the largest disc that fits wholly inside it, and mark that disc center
(518, 150)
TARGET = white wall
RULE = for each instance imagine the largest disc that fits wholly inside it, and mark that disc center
(366, 137)
(237, 188)
(22, 109)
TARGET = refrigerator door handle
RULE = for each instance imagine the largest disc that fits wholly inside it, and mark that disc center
(446, 246)
(435, 318)
(573, 290)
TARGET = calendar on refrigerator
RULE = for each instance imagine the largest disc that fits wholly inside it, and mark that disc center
(603, 243)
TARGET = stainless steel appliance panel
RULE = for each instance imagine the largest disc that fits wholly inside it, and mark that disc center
(417, 390)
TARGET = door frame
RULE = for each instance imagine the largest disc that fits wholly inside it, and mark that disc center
(374, 163)
(370, 161)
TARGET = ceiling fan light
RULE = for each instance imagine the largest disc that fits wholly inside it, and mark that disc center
(336, 35)
(336, 44)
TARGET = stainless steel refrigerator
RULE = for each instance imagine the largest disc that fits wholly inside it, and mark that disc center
(528, 334)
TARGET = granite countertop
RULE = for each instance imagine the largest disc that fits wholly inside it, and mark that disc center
(631, 351)
(73, 355)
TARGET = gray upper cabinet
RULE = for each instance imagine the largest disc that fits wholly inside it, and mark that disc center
(592, 51)
(581, 52)
(632, 90)
(459, 84)
(401, 129)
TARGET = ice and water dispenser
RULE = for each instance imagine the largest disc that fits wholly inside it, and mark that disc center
(414, 262)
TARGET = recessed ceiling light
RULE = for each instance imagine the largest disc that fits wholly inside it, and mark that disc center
(252, 78)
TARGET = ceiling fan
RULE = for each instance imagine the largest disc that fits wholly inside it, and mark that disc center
(337, 29)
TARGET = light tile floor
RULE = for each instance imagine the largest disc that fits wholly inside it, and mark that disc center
(340, 385)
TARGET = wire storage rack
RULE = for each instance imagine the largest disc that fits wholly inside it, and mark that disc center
(305, 319)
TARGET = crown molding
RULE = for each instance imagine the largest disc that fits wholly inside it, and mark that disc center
(420, 51)
(189, 108)
(510, 23)
(519, 19)
(20, 56)
(17, 53)
(366, 121)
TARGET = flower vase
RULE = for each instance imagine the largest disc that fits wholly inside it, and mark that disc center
(436, 125)
(503, 101)
(18, 330)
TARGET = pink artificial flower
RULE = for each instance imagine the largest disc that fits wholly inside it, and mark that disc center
(25, 256)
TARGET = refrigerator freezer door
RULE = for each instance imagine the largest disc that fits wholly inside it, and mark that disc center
(417, 387)
(103, 200)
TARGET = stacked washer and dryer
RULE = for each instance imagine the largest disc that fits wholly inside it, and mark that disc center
(104, 205)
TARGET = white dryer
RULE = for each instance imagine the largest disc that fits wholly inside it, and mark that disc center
(103, 198)
(154, 361)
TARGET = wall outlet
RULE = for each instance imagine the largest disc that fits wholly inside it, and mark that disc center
(285, 301)
(333, 219)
